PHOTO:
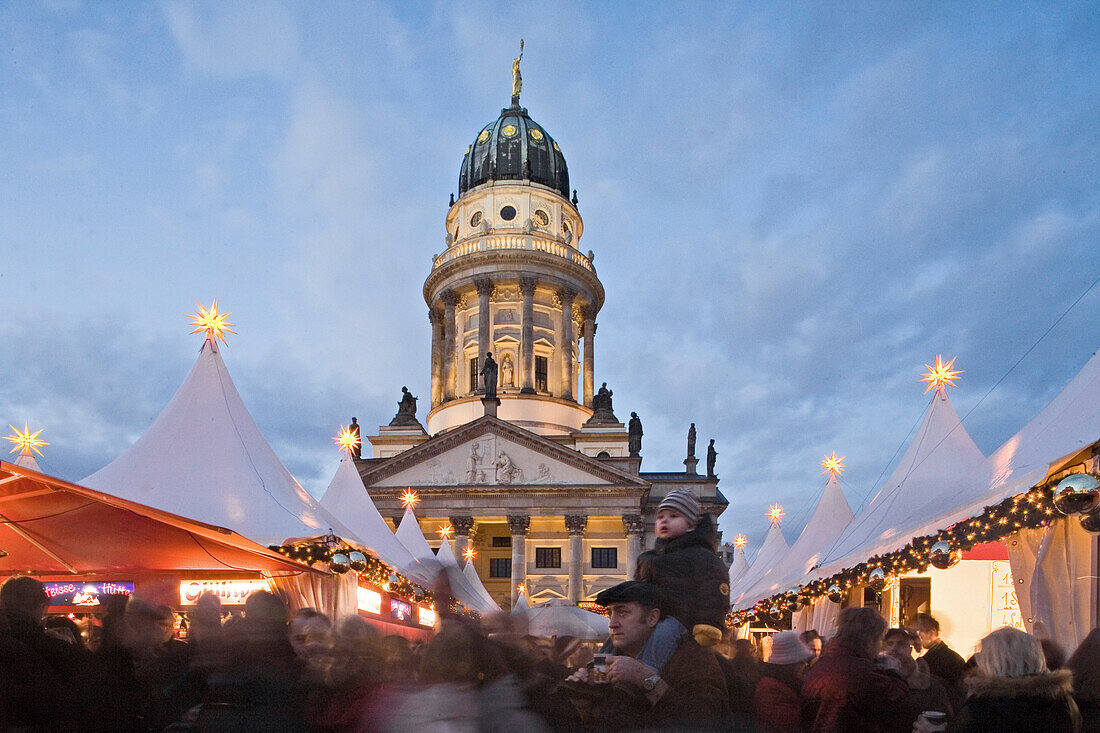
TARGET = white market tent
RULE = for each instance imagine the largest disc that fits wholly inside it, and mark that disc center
(738, 567)
(470, 573)
(408, 534)
(562, 617)
(939, 465)
(347, 498)
(831, 515)
(773, 549)
(205, 458)
(470, 596)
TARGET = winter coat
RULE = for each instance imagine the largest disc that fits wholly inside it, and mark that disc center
(776, 700)
(845, 693)
(945, 664)
(1037, 702)
(697, 695)
(693, 579)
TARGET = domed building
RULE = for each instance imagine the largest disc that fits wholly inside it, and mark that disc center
(532, 468)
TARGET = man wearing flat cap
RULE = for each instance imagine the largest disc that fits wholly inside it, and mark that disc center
(690, 690)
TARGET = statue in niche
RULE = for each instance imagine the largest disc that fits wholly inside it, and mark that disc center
(507, 372)
(634, 435)
(691, 441)
(489, 374)
(471, 465)
(712, 458)
(507, 472)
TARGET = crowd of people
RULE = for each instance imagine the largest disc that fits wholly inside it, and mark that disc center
(665, 666)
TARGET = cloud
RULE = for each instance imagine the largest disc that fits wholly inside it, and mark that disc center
(235, 39)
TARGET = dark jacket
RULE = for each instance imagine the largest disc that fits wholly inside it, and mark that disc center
(777, 701)
(945, 664)
(692, 577)
(697, 694)
(845, 693)
(1038, 702)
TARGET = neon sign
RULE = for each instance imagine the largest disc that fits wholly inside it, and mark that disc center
(425, 616)
(369, 601)
(229, 592)
(85, 594)
(399, 610)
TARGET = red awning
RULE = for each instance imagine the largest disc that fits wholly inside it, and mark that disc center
(50, 526)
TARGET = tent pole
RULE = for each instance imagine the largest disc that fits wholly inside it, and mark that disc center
(25, 535)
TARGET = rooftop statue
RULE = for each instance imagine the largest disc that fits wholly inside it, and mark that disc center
(634, 435)
(406, 409)
(517, 79)
(691, 441)
(712, 458)
(489, 373)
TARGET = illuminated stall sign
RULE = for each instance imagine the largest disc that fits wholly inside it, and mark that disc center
(425, 616)
(85, 594)
(399, 610)
(369, 601)
(229, 592)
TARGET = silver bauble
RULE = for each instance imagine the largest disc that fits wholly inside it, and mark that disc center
(940, 556)
(1091, 522)
(876, 580)
(339, 563)
(775, 612)
(834, 594)
(393, 579)
(358, 561)
(1078, 493)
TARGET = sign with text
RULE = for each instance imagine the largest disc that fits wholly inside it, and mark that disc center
(229, 592)
(399, 610)
(85, 594)
(425, 616)
(369, 601)
(1005, 608)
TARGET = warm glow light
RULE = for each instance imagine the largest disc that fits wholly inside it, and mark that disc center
(211, 322)
(521, 589)
(941, 375)
(469, 553)
(740, 541)
(25, 441)
(833, 465)
(347, 440)
(775, 513)
(409, 499)
(446, 531)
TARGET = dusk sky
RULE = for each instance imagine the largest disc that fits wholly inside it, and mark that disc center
(793, 208)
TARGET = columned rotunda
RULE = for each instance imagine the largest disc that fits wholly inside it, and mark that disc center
(543, 484)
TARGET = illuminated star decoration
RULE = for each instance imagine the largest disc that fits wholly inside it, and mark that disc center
(521, 589)
(740, 541)
(409, 499)
(833, 465)
(941, 375)
(446, 531)
(25, 441)
(775, 513)
(211, 322)
(469, 553)
(347, 440)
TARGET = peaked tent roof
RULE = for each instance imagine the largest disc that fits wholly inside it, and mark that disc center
(936, 468)
(521, 605)
(475, 582)
(771, 552)
(738, 567)
(347, 498)
(26, 460)
(205, 457)
(466, 593)
(831, 515)
(409, 534)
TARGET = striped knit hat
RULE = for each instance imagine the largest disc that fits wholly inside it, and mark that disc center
(683, 501)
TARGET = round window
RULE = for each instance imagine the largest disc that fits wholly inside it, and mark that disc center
(508, 213)
(536, 134)
(509, 130)
(475, 219)
(541, 218)
(483, 136)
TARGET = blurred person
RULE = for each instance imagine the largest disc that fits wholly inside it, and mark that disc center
(813, 642)
(742, 673)
(311, 638)
(33, 665)
(925, 691)
(776, 699)
(851, 689)
(1084, 663)
(1053, 654)
(1012, 690)
(944, 663)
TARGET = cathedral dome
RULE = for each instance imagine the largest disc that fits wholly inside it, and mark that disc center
(514, 147)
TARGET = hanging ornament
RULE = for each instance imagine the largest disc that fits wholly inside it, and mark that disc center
(418, 595)
(834, 594)
(775, 612)
(339, 563)
(358, 561)
(941, 556)
(393, 579)
(1091, 522)
(1078, 493)
(876, 580)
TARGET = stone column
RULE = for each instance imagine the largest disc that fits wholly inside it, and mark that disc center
(635, 535)
(589, 355)
(518, 524)
(576, 523)
(435, 317)
(527, 335)
(565, 342)
(462, 524)
(484, 326)
(450, 299)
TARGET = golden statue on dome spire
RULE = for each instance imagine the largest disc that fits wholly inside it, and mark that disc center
(517, 78)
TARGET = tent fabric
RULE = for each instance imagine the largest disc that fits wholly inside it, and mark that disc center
(470, 572)
(336, 596)
(26, 460)
(460, 586)
(738, 567)
(831, 515)
(771, 552)
(51, 526)
(939, 465)
(205, 457)
(347, 498)
(820, 617)
(1053, 567)
(521, 605)
(409, 535)
(563, 618)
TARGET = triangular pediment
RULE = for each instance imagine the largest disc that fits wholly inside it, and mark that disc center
(493, 452)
